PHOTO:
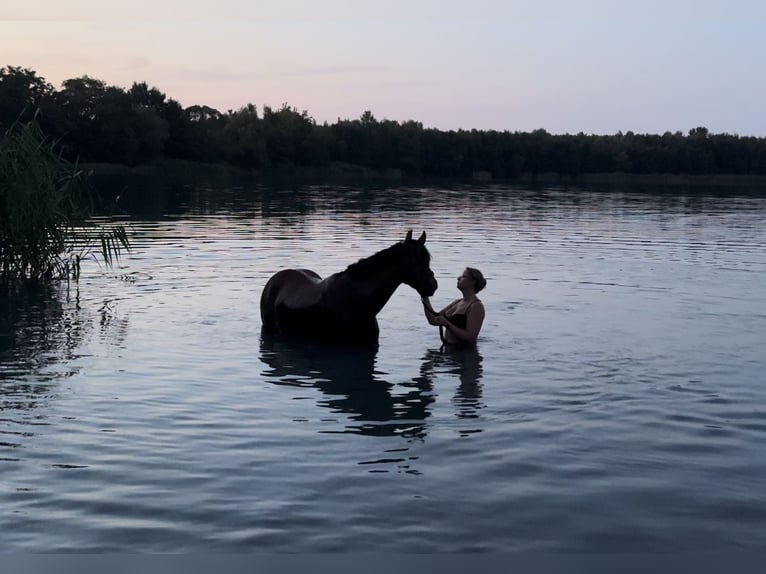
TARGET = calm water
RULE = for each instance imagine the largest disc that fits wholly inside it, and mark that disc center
(616, 401)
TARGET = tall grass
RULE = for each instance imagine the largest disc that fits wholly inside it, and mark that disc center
(45, 231)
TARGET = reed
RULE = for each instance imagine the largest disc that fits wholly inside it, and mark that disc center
(46, 229)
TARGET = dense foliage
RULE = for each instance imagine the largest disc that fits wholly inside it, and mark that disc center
(45, 230)
(95, 122)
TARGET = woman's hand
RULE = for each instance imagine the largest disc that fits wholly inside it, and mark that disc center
(432, 316)
(441, 321)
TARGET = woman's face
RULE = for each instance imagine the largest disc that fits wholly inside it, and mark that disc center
(465, 280)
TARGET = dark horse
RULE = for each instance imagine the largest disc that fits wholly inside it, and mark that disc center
(342, 307)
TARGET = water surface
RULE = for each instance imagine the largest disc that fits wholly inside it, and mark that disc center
(615, 401)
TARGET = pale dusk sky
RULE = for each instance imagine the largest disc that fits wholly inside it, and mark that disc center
(594, 66)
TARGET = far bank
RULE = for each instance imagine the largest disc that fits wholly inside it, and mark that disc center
(342, 173)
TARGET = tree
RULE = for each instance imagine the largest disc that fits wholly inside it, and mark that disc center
(23, 95)
(244, 139)
(78, 101)
(143, 95)
(80, 96)
(288, 135)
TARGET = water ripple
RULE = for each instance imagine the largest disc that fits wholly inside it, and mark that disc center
(615, 388)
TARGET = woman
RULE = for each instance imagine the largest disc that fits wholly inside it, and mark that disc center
(460, 321)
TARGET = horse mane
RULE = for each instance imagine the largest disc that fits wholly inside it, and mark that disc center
(367, 266)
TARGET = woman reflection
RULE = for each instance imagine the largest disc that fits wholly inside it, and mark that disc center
(464, 361)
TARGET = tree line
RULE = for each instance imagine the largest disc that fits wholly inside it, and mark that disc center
(95, 122)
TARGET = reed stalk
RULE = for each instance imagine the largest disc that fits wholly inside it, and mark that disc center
(45, 211)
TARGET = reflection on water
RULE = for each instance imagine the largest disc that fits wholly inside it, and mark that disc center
(351, 385)
(113, 326)
(41, 329)
(147, 198)
(41, 326)
(464, 362)
(618, 370)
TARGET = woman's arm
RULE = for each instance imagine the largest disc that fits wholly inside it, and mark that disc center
(431, 315)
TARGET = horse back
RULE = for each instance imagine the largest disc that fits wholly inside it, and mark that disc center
(289, 291)
(299, 302)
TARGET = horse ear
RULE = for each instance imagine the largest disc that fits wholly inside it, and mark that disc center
(409, 235)
(422, 238)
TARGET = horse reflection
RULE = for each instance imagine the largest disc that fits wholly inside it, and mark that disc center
(351, 384)
(466, 363)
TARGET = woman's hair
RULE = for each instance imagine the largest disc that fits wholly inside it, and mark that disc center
(478, 279)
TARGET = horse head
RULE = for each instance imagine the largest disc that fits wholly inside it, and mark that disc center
(417, 272)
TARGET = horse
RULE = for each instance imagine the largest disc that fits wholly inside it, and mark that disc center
(343, 307)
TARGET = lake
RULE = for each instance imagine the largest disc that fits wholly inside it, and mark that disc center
(615, 401)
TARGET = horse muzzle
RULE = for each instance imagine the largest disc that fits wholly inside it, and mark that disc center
(430, 288)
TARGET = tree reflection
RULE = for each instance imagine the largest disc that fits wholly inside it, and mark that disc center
(351, 385)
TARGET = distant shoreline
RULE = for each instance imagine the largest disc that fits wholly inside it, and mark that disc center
(184, 169)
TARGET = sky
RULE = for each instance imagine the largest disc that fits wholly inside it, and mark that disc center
(566, 66)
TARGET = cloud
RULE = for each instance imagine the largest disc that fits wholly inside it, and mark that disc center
(136, 63)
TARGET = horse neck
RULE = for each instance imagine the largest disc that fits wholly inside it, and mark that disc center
(374, 291)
